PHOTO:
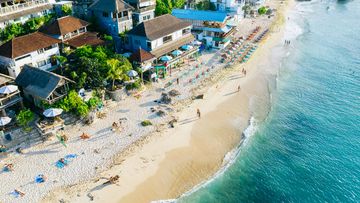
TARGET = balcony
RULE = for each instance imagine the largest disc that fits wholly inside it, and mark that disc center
(144, 9)
(22, 6)
(10, 99)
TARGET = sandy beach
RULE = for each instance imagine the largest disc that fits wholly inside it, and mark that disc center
(154, 162)
(173, 161)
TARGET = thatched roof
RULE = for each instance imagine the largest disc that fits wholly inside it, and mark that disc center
(25, 44)
(39, 83)
(64, 25)
(159, 27)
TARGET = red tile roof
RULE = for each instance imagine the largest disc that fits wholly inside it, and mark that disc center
(141, 55)
(25, 44)
(87, 38)
(64, 25)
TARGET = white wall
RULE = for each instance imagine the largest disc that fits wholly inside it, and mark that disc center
(175, 36)
(33, 59)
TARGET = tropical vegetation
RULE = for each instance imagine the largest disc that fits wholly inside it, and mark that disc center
(166, 6)
(66, 10)
(24, 118)
(18, 29)
(262, 10)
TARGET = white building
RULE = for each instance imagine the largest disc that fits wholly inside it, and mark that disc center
(144, 10)
(160, 35)
(21, 11)
(36, 49)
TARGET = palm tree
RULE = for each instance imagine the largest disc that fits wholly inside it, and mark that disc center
(115, 71)
(61, 60)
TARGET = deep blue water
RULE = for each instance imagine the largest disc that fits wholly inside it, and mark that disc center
(308, 148)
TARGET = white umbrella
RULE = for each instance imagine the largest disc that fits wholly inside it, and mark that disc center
(196, 42)
(52, 112)
(8, 89)
(132, 73)
(4, 120)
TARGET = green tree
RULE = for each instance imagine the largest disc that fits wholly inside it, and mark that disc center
(66, 10)
(262, 10)
(73, 103)
(24, 117)
(246, 8)
(115, 72)
(61, 60)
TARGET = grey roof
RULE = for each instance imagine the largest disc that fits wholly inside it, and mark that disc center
(110, 6)
(159, 27)
(37, 82)
(25, 12)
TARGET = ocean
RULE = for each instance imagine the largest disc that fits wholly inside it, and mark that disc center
(307, 149)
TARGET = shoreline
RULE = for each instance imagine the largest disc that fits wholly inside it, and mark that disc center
(150, 169)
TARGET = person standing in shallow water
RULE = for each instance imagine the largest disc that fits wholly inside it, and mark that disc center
(198, 113)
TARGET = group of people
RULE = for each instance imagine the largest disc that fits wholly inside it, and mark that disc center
(243, 71)
(287, 42)
(116, 126)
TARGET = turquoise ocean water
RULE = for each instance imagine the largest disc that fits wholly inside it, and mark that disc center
(308, 147)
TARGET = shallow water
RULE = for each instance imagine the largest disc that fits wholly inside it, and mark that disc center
(308, 148)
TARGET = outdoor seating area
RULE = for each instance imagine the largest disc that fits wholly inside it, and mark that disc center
(51, 122)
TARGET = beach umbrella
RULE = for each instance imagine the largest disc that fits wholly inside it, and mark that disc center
(132, 73)
(52, 112)
(8, 89)
(186, 47)
(176, 52)
(166, 58)
(4, 120)
(196, 42)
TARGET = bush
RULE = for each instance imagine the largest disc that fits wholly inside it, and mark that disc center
(73, 103)
(262, 10)
(146, 123)
(93, 102)
(24, 117)
(133, 86)
(66, 10)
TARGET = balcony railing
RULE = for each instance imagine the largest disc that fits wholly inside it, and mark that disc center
(22, 6)
(9, 100)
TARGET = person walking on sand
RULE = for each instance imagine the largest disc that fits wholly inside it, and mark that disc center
(239, 88)
(177, 81)
(198, 113)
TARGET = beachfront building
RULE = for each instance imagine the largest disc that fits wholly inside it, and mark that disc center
(144, 60)
(161, 36)
(210, 27)
(36, 49)
(144, 10)
(12, 101)
(113, 16)
(72, 32)
(20, 11)
(40, 86)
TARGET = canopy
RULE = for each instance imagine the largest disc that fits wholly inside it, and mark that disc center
(52, 112)
(132, 73)
(186, 47)
(176, 52)
(166, 58)
(4, 120)
(8, 89)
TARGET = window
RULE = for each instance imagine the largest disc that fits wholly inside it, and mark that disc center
(105, 14)
(186, 31)
(144, 18)
(47, 48)
(67, 36)
(167, 39)
(137, 42)
(148, 44)
(81, 30)
(41, 63)
(148, 17)
(40, 51)
(125, 13)
(114, 15)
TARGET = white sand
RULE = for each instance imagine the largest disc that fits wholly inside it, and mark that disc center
(161, 154)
